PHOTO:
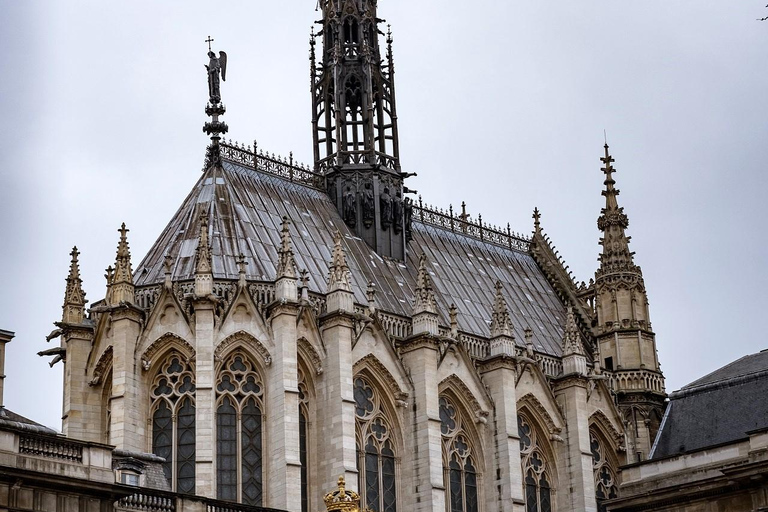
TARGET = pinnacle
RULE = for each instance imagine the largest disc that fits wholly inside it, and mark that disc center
(74, 296)
(571, 338)
(123, 273)
(287, 264)
(501, 324)
(339, 278)
(424, 300)
(203, 263)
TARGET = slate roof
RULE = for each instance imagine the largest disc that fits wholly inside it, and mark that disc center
(720, 408)
(245, 209)
(9, 418)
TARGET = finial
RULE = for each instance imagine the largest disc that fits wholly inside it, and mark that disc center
(241, 272)
(529, 351)
(74, 296)
(370, 294)
(339, 278)
(217, 72)
(571, 339)
(424, 300)
(453, 313)
(304, 284)
(122, 289)
(536, 220)
(501, 324)
(286, 266)
(167, 262)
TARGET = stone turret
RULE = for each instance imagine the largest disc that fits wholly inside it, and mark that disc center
(626, 342)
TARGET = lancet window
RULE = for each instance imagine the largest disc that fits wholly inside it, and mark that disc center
(303, 439)
(459, 464)
(239, 414)
(173, 422)
(605, 476)
(537, 481)
(375, 450)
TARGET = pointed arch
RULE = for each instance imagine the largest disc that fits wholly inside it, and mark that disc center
(106, 406)
(600, 420)
(246, 341)
(465, 396)
(537, 459)
(239, 415)
(164, 344)
(462, 451)
(103, 365)
(605, 464)
(310, 355)
(378, 371)
(306, 381)
(539, 412)
(379, 438)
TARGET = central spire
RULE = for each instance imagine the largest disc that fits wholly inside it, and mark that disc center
(354, 121)
(613, 222)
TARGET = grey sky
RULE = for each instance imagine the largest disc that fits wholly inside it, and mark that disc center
(502, 104)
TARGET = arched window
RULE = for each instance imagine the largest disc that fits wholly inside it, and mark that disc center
(375, 451)
(605, 477)
(537, 483)
(459, 466)
(106, 400)
(303, 438)
(173, 422)
(239, 410)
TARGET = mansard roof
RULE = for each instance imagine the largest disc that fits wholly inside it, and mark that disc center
(246, 204)
(719, 408)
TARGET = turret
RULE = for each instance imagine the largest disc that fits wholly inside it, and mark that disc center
(626, 343)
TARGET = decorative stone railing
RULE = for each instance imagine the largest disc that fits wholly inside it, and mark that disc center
(637, 380)
(223, 506)
(149, 501)
(271, 164)
(476, 346)
(50, 447)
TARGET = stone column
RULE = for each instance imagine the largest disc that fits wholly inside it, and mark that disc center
(126, 430)
(500, 376)
(205, 398)
(420, 357)
(81, 417)
(5, 337)
(578, 492)
(284, 466)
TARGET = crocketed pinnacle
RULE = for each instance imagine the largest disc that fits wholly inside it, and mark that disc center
(203, 264)
(123, 271)
(339, 278)
(74, 296)
(571, 338)
(501, 325)
(286, 265)
(536, 221)
(613, 222)
(424, 300)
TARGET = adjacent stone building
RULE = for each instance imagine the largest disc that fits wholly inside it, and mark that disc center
(295, 324)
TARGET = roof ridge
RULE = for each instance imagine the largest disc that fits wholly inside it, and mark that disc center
(720, 384)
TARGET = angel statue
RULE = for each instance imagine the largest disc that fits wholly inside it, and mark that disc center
(214, 67)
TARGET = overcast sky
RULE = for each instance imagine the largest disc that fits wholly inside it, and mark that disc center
(501, 103)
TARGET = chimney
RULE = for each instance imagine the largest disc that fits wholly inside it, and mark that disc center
(5, 337)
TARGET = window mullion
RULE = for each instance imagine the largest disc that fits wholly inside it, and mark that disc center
(239, 422)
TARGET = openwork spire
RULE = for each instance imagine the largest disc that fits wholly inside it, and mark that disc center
(501, 325)
(286, 265)
(74, 296)
(613, 222)
(339, 278)
(572, 336)
(424, 299)
(121, 287)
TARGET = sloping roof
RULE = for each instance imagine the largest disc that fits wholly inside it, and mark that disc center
(245, 209)
(719, 408)
(11, 419)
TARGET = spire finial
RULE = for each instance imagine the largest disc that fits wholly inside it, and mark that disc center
(613, 222)
(74, 296)
(536, 220)
(217, 72)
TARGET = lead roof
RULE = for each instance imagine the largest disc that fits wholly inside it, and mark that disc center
(245, 209)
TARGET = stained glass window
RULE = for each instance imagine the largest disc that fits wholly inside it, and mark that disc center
(606, 486)
(537, 488)
(375, 451)
(239, 449)
(459, 465)
(173, 422)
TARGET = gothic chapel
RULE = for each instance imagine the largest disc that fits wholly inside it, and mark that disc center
(292, 325)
